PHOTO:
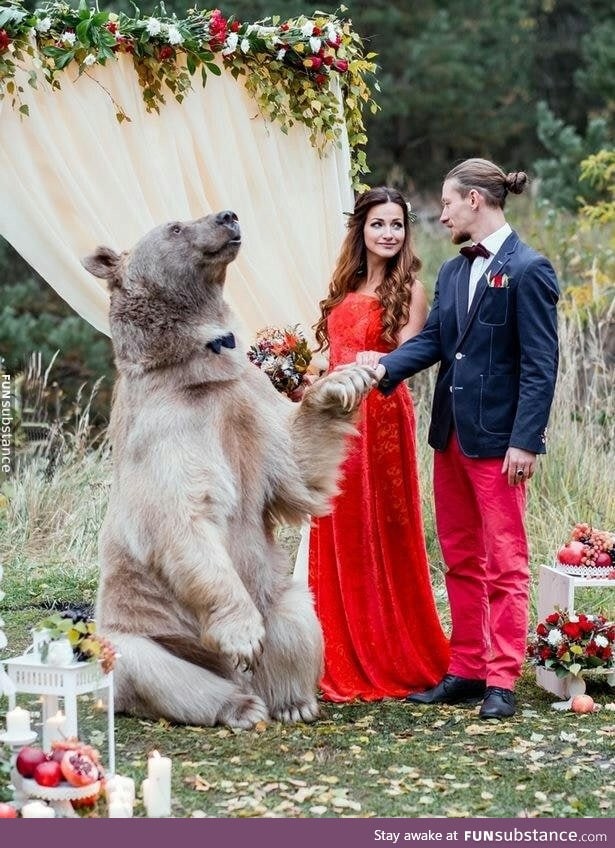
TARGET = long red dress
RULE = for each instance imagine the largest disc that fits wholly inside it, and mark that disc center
(368, 565)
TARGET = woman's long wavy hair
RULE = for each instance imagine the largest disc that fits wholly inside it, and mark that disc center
(395, 291)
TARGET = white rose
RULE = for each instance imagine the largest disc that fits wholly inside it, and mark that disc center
(245, 45)
(315, 44)
(555, 637)
(601, 641)
(69, 38)
(44, 25)
(307, 28)
(230, 45)
(331, 32)
(90, 59)
(280, 55)
(175, 36)
(153, 26)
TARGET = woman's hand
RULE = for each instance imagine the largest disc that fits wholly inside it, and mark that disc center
(371, 358)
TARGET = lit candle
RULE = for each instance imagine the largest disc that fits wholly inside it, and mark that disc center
(37, 810)
(158, 800)
(18, 722)
(53, 730)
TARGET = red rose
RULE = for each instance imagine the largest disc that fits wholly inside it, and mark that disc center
(541, 630)
(313, 62)
(165, 52)
(328, 60)
(553, 618)
(341, 65)
(320, 79)
(284, 27)
(592, 649)
(545, 653)
(571, 629)
(585, 625)
(235, 26)
(606, 653)
(4, 40)
(112, 27)
(316, 31)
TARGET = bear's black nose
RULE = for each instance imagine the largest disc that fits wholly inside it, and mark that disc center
(227, 217)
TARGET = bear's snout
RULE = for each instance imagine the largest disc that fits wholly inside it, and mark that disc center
(230, 221)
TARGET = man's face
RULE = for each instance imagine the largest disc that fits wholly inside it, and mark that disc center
(458, 213)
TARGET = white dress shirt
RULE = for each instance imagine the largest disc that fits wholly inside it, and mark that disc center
(479, 266)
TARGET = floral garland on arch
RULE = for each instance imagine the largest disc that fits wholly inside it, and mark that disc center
(287, 66)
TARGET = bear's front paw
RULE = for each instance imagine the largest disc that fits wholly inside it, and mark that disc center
(301, 710)
(239, 637)
(343, 389)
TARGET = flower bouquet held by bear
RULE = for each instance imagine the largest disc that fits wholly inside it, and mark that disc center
(284, 355)
(589, 553)
(70, 636)
(570, 644)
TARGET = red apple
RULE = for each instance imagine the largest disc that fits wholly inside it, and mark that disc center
(571, 553)
(7, 811)
(78, 768)
(48, 773)
(27, 760)
(582, 704)
(603, 559)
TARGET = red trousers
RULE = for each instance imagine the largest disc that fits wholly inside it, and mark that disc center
(481, 531)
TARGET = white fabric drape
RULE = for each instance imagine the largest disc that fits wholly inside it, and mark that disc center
(74, 178)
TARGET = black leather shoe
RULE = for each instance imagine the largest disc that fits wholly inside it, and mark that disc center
(498, 703)
(451, 690)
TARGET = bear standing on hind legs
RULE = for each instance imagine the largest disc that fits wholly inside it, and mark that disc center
(208, 457)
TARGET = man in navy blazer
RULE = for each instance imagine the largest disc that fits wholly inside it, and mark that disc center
(493, 329)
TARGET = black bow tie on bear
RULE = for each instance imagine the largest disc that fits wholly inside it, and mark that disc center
(475, 250)
(220, 342)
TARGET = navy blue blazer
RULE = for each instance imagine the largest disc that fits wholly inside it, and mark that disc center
(498, 362)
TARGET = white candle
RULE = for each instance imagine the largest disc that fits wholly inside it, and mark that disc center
(120, 809)
(53, 730)
(18, 722)
(37, 810)
(158, 801)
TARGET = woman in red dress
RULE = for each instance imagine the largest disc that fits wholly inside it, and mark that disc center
(368, 565)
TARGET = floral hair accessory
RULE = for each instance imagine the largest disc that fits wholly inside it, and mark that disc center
(412, 216)
(567, 644)
(284, 356)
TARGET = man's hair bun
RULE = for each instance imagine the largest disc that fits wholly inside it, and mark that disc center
(516, 181)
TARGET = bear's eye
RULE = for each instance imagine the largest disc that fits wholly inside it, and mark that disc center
(176, 228)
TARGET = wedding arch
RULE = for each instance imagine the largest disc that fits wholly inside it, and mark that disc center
(111, 124)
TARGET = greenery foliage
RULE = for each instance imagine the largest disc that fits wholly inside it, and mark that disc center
(288, 66)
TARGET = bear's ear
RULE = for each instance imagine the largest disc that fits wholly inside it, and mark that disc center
(105, 263)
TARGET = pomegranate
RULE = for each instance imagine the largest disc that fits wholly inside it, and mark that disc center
(48, 773)
(571, 553)
(603, 559)
(582, 704)
(78, 769)
(27, 760)
(7, 811)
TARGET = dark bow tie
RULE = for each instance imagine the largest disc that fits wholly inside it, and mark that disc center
(221, 341)
(475, 250)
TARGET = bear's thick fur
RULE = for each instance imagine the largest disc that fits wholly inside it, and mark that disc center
(208, 457)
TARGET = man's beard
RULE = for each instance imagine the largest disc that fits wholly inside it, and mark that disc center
(459, 238)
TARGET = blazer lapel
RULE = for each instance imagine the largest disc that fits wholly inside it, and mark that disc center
(498, 262)
(462, 285)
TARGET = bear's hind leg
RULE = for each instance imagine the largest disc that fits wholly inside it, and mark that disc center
(287, 675)
(150, 681)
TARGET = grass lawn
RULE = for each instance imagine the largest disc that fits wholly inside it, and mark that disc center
(361, 760)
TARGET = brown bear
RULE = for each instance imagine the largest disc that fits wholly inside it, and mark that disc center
(208, 457)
